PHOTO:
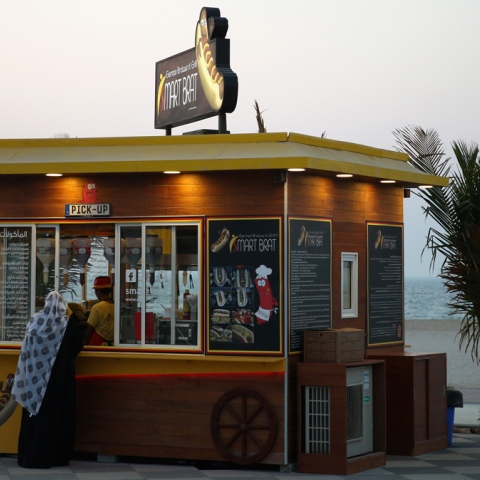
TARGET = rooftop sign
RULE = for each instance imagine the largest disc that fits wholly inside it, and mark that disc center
(199, 82)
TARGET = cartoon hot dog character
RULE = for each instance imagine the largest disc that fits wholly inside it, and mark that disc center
(268, 304)
(210, 77)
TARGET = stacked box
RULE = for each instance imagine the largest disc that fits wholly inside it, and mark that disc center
(342, 345)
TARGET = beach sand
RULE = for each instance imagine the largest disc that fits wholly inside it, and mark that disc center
(441, 336)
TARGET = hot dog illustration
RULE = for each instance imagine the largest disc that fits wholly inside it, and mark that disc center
(242, 297)
(268, 303)
(220, 334)
(219, 276)
(221, 299)
(379, 241)
(222, 240)
(301, 238)
(242, 278)
(220, 316)
(210, 77)
(241, 334)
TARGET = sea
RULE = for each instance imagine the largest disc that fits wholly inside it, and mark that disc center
(427, 299)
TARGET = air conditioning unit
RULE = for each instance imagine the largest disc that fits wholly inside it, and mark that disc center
(359, 411)
(317, 410)
(340, 433)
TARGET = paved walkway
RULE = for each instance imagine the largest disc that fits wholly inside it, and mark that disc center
(460, 461)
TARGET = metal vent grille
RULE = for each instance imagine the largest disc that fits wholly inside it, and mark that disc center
(317, 420)
(354, 412)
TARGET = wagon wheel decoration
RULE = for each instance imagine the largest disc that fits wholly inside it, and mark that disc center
(244, 426)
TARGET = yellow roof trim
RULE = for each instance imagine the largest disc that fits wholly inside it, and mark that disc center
(204, 153)
(353, 147)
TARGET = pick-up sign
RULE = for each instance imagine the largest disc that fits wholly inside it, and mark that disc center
(87, 210)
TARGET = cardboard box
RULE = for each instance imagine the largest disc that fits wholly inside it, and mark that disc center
(334, 346)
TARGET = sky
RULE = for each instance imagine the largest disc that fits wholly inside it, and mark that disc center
(354, 69)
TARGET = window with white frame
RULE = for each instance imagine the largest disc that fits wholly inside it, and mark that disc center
(154, 268)
(349, 295)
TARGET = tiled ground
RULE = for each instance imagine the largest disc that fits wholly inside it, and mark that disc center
(460, 461)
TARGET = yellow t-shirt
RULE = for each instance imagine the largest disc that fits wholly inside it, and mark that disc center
(101, 319)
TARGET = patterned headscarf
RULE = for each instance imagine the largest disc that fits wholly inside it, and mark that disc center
(40, 346)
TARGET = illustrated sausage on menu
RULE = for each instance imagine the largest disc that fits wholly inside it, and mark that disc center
(219, 276)
(241, 334)
(221, 242)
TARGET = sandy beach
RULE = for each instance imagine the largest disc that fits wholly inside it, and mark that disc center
(441, 336)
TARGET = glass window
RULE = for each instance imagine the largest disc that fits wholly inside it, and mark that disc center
(16, 296)
(349, 285)
(82, 258)
(153, 267)
(159, 285)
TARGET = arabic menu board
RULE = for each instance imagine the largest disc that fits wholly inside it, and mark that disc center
(244, 288)
(15, 268)
(310, 277)
(385, 284)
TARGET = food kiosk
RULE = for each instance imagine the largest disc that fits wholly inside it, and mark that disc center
(257, 246)
(223, 250)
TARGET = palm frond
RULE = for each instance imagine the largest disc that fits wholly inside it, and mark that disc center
(259, 117)
(456, 211)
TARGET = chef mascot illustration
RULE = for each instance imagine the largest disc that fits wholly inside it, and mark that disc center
(268, 304)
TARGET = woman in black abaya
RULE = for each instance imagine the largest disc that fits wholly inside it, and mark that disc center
(45, 386)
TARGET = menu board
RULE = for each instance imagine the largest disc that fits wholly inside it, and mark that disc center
(310, 277)
(15, 276)
(385, 284)
(244, 308)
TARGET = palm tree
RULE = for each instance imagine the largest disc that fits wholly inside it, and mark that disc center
(456, 211)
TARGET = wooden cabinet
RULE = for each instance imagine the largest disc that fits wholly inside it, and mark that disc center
(326, 416)
(416, 401)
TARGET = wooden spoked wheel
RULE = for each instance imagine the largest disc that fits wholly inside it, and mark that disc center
(244, 426)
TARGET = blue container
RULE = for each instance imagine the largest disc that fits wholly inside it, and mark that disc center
(454, 399)
(450, 420)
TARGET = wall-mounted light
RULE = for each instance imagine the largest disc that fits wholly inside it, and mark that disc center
(425, 186)
(388, 181)
(344, 175)
(54, 174)
(296, 169)
(171, 172)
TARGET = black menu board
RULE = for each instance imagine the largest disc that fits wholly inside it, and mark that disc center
(15, 280)
(244, 307)
(385, 284)
(309, 272)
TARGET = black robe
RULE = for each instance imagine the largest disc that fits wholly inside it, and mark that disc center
(48, 438)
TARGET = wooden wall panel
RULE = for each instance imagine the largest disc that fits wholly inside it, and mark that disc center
(155, 194)
(137, 420)
(350, 205)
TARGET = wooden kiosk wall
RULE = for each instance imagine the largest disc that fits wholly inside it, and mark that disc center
(161, 406)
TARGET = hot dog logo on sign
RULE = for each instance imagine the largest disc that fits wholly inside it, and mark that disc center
(199, 82)
(244, 287)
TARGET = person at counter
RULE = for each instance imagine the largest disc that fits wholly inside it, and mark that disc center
(101, 317)
(45, 386)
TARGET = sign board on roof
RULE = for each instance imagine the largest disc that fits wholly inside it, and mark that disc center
(199, 82)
